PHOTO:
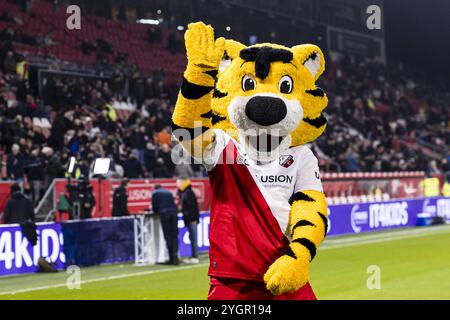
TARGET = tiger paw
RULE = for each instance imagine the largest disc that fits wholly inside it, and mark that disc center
(201, 49)
(286, 275)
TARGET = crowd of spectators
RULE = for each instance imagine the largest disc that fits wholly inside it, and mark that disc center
(125, 117)
(380, 119)
(384, 118)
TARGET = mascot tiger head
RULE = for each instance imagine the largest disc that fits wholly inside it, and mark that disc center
(268, 93)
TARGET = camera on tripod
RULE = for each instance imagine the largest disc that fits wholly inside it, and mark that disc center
(80, 191)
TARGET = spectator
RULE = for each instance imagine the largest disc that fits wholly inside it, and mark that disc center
(165, 153)
(163, 204)
(150, 158)
(352, 160)
(34, 173)
(18, 208)
(138, 140)
(120, 200)
(86, 198)
(446, 185)
(53, 166)
(191, 217)
(161, 171)
(9, 64)
(132, 167)
(15, 164)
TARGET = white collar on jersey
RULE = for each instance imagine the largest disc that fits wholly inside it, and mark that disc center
(263, 157)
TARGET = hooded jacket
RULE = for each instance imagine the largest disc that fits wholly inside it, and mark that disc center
(189, 206)
(18, 209)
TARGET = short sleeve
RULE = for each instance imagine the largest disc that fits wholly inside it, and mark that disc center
(213, 151)
(308, 175)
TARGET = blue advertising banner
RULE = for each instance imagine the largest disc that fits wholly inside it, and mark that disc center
(348, 218)
(202, 235)
(376, 216)
(18, 256)
(92, 242)
(112, 240)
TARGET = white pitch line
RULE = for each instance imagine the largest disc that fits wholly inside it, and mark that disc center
(330, 244)
(391, 236)
(397, 232)
(122, 276)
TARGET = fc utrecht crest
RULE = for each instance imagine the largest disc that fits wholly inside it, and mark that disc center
(286, 160)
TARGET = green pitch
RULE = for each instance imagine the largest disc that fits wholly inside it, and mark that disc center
(411, 264)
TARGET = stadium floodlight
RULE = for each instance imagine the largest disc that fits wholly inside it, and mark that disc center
(71, 165)
(148, 21)
(101, 166)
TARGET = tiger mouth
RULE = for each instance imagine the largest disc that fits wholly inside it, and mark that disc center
(264, 142)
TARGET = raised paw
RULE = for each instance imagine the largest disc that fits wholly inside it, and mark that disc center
(201, 48)
(286, 275)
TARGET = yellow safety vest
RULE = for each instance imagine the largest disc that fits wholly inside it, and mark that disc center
(430, 187)
(446, 189)
(111, 113)
(76, 173)
(22, 69)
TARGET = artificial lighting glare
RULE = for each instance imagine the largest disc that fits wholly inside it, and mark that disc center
(71, 165)
(148, 21)
(158, 11)
(101, 165)
(228, 28)
(180, 28)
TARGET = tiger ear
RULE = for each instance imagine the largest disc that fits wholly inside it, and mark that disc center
(311, 57)
(232, 50)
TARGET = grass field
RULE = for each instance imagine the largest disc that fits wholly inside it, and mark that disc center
(414, 264)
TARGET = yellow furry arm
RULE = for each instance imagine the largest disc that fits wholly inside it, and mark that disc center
(308, 223)
(308, 226)
(191, 119)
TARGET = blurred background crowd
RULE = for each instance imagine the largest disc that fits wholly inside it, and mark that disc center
(92, 93)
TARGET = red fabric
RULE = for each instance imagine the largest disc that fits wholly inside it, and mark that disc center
(250, 290)
(245, 237)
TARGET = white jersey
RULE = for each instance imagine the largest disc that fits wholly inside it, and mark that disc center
(295, 170)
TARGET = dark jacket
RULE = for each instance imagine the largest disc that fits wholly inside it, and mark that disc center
(15, 166)
(34, 168)
(120, 202)
(137, 140)
(132, 169)
(87, 201)
(163, 202)
(161, 171)
(18, 209)
(189, 206)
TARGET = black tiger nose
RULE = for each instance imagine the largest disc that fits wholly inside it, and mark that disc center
(265, 110)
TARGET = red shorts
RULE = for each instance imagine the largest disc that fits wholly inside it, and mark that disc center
(232, 289)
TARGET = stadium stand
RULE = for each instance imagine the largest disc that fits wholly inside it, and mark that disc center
(378, 117)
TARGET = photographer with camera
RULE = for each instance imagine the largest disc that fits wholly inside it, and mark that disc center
(86, 198)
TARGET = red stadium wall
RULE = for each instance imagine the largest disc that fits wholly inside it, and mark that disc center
(139, 194)
(4, 195)
(336, 185)
(395, 184)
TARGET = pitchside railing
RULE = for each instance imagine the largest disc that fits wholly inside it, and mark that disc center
(339, 188)
(149, 245)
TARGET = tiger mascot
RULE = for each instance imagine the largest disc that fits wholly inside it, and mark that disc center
(246, 114)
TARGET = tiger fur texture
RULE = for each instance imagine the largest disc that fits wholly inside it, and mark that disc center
(262, 90)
